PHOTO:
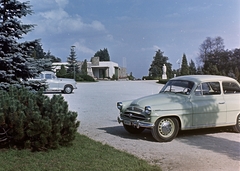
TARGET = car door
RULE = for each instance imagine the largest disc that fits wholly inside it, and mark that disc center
(209, 107)
(231, 92)
(51, 81)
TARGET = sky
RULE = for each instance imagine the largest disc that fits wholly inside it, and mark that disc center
(133, 30)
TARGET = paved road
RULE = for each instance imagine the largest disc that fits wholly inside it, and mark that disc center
(211, 149)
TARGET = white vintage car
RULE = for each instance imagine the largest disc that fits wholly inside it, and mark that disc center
(56, 84)
(184, 103)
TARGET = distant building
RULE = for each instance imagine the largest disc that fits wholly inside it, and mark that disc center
(57, 65)
(105, 69)
(98, 69)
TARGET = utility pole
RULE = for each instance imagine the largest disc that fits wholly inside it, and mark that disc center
(73, 65)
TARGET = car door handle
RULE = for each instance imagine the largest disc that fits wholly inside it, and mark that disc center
(221, 103)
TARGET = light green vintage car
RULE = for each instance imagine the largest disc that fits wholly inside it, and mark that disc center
(184, 103)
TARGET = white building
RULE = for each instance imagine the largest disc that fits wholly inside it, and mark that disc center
(102, 69)
(57, 65)
(98, 69)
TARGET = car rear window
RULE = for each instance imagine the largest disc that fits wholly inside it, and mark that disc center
(230, 88)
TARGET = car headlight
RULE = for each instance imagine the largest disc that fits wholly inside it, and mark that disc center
(119, 105)
(148, 110)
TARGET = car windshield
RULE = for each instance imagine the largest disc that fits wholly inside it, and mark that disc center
(178, 86)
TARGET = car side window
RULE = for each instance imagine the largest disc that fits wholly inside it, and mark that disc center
(198, 91)
(48, 76)
(208, 88)
(230, 88)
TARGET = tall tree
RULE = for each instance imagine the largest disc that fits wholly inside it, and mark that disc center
(15, 61)
(211, 52)
(84, 68)
(192, 68)
(184, 66)
(237, 73)
(156, 68)
(62, 72)
(72, 61)
(51, 57)
(103, 55)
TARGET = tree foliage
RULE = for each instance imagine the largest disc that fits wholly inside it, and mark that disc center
(35, 121)
(84, 68)
(192, 68)
(216, 60)
(72, 62)
(184, 66)
(16, 62)
(103, 55)
(156, 68)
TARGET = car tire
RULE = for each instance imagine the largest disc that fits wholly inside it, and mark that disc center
(133, 130)
(165, 129)
(68, 89)
(236, 127)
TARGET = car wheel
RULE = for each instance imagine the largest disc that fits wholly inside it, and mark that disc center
(133, 130)
(236, 127)
(165, 129)
(68, 89)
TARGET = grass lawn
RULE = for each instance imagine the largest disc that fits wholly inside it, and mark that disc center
(85, 154)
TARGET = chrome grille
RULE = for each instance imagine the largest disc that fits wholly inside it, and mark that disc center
(134, 116)
(134, 112)
(135, 109)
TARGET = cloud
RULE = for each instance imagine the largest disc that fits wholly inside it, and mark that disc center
(62, 3)
(153, 48)
(59, 21)
(82, 48)
(51, 17)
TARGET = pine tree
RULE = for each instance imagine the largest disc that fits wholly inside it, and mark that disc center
(84, 68)
(103, 55)
(16, 63)
(62, 72)
(72, 61)
(184, 66)
(237, 74)
(192, 68)
(155, 71)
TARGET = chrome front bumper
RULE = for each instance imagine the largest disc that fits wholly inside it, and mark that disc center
(137, 123)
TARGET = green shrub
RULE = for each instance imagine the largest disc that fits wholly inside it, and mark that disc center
(87, 78)
(162, 81)
(34, 120)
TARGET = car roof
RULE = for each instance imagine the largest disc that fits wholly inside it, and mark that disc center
(47, 72)
(204, 78)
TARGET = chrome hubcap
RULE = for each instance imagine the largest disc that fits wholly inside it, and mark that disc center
(166, 127)
(68, 90)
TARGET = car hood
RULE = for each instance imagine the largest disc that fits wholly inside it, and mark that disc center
(162, 100)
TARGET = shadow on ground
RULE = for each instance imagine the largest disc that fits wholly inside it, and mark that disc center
(205, 139)
(121, 132)
(201, 138)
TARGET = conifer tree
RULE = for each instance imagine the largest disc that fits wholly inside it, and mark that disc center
(192, 68)
(103, 55)
(72, 61)
(16, 63)
(155, 71)
(184, 66)
(84, 68)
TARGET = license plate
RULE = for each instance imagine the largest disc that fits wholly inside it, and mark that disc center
(127, 122)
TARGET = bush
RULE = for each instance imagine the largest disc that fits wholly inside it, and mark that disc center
(163, 81)
(35, 121)
(87, 78)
